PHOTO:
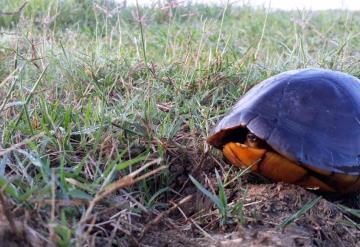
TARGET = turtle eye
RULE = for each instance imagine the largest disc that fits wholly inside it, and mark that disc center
(251, 137)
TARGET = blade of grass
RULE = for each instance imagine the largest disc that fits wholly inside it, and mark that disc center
(207, 193)
(140, 20)
(298, 214)
(352, 211)
(28, 98)
(222, 195)
(133, 161)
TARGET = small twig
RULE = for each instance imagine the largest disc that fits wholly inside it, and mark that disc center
(113, 232)
(8, 96)
(9, 33)
(76, 183)
(122, 183)
(10, 76)
(125, 182)
(61, 203)
(90, 228)
(156, 161)
(183, 214)
(20, 144)
(159, 217)
(130, 198)
(201, 230)
(15, 12)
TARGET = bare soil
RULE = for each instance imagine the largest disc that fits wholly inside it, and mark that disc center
(266, 206)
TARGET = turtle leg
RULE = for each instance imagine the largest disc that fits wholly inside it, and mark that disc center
(346, 183)
(272, 165)
(343, 182)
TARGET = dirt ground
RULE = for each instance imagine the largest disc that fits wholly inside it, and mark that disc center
(266, 207)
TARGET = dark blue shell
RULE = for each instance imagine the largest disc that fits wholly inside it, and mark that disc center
(311, 116)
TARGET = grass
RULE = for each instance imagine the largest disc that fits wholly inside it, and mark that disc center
(307, 206)
(227, 214)
(90, 92)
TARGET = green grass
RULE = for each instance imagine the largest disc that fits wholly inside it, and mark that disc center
(227, 215)
(307, 206)
(108, 94)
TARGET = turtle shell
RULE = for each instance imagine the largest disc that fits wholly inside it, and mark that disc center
(311, 116)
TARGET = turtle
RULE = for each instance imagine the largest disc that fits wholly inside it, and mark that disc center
(300, 126)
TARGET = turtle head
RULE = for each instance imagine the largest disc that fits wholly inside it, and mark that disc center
(253, 141)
